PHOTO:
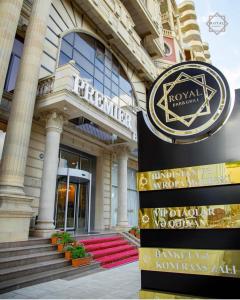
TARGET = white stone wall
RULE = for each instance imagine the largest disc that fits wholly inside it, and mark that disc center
(65, 18)
(33, 174)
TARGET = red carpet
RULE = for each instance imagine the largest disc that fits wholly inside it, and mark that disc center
(111, 251)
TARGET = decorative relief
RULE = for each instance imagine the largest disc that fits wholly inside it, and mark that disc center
(45, 86)
(121, 13)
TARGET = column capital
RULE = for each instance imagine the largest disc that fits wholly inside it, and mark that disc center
(54, 120)
(122, 150)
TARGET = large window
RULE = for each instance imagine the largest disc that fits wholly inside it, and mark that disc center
(72, 160)
(98, 66)
(132, 196)
(14, 64)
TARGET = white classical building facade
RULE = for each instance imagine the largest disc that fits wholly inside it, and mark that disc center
(73, 75)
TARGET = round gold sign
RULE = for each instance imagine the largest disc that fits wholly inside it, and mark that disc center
(189, 101)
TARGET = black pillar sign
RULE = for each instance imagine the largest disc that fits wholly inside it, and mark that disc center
(189, 185)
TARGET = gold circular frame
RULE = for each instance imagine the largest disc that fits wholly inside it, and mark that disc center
(202, 128)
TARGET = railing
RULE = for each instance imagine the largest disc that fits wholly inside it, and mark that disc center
(150, 15)
(168, 33)
(45, 86)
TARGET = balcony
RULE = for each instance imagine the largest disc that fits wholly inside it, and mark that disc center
(206, 50)
(207, 54)
(187, 15)
(155, 47)
(186, 5)
(189, 25)
(68, 93)
(142, 17)
(192, 35)
(196, 45)
(205, 46)
(169, 33)
(116, 23)
(199, 56)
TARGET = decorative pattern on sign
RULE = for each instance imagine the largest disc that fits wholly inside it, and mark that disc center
(189, 177)
(190, 217)
(225, 263)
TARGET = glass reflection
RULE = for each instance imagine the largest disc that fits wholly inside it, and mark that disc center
(98, 66)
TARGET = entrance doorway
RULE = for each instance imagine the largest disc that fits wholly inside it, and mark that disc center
(73, 200)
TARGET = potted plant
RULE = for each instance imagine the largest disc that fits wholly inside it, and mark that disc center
(55, 237)
(137, 234)
(65, 239)
(133, 230)
(80, 257)
(68, 252)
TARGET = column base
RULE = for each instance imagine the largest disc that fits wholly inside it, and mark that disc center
(43, 229)
(122, 226)
(15, 215)
(44, 233)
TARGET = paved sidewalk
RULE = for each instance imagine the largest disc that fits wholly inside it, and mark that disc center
(122, 282)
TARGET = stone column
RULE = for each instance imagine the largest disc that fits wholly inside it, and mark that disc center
(122, 213)
(99, 203)
(9, 16)
(179, 30)
(15, 207)
(54, 125)
(20, 120)
(170, 12)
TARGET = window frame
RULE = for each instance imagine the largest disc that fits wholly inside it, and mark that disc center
(104, 69)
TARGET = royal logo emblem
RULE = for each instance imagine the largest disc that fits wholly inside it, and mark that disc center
(188, 102)
(200, 94)
(217, 23)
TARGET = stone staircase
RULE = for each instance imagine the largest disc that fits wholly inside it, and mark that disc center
(30, 262)
(111, 251)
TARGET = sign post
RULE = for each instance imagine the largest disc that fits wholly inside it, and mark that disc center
(189, 185)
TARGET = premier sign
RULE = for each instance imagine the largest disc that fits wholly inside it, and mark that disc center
(101, 102)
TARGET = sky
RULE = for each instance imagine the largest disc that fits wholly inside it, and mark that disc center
(224, 47)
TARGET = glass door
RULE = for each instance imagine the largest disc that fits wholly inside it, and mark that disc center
(82, 207)
(66, 206)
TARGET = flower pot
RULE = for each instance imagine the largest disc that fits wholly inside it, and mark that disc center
(81, 261)
(132, 232)
(54, 240)
(60, 247)
(68, 255)
(138, 235)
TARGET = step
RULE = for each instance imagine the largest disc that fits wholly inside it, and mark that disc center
(120, 262)
(21, 260)
(19, 271)
(35, 278)
(15, 251)
(116, 257)
(100, 240)
(30, 242)
(108, 251)
(105, 245)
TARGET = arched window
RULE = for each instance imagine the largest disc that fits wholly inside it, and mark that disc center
(167, 49)
(98, 66)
